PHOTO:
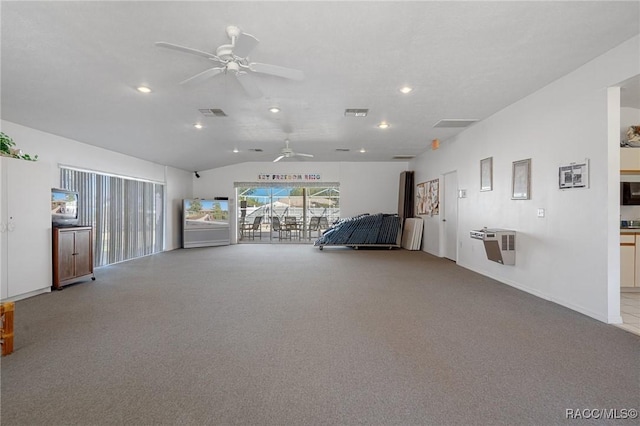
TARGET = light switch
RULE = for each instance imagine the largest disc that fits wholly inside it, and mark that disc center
(540, 212)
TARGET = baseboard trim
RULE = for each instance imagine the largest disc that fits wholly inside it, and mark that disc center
(537, 293)
(27, 295)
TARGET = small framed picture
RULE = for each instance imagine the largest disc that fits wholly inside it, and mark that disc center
(486, 174)
(521, 180)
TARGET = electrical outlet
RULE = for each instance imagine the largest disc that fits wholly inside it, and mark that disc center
(540, 212)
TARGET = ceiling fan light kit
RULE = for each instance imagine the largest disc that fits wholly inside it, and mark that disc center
(287, 152)
(233, 60)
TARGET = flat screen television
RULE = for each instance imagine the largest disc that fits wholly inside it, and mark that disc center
(64, 207)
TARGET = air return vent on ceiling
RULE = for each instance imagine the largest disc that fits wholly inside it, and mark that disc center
(212, 112)
(403, 157)
(255, 149)
(356, 112)
(456, 122)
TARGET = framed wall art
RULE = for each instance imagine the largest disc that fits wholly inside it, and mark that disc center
(421, 199)
(521, 180)
(486, 174)
(428, 199)
(574, 175)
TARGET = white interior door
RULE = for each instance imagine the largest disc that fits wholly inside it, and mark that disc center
(450, 216)
(28, 226)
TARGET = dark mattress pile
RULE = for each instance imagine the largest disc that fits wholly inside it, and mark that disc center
(378, 229)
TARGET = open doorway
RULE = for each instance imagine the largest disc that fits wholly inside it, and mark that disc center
(630, 213)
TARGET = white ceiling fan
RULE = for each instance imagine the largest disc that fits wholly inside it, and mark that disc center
(288, 153)
(233, 59)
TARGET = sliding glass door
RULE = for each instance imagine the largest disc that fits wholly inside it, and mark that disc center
(285, 213)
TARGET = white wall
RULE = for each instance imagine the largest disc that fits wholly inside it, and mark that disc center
(57, 151)
(179, 186)
(564, 257)
(364, 187)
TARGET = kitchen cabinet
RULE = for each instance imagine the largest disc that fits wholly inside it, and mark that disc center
(629, 160)
(72, 255)
(25, 228)
(630, 259)
(627, 260)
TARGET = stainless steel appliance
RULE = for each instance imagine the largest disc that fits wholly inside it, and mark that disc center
(630, 193)
(499, 244)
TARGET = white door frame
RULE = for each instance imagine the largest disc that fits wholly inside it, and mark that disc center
(450, 215)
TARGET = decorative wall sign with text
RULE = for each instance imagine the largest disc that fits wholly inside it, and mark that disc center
(289, 177)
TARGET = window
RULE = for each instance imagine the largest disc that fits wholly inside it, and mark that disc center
(126, 214)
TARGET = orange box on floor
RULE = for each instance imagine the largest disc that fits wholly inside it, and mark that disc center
(6, 327)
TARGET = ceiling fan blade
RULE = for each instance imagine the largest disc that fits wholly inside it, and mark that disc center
(248, 84)
(278, 159)
(203, 76)
(187, 50)
(299, 154)
(244, 44)
(277, 71)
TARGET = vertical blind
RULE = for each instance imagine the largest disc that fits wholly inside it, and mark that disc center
(126, 214)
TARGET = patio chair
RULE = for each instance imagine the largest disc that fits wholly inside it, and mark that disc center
(276, 226)
(250, 229)
(314, 225)
(291, 225)
(324, 223)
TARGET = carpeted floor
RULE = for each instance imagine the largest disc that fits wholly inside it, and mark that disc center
(291, 335)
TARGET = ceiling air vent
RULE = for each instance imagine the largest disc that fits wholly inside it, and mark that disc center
(212, 112)
(356, 112)
(403, 157)
(255, 149)
(456, 122)
(342, 150)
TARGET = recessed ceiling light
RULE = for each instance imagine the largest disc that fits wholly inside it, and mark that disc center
(406, 89)
(198, 126)
(363, 150)
(383, 125)
(274, 110)
(236, 150)
(144, 89)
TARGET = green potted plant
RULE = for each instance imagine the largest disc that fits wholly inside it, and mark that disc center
(8, 149)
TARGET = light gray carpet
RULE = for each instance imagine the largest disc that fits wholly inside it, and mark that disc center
(291, 335)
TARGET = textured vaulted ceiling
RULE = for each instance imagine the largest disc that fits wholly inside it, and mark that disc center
(71, 69)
